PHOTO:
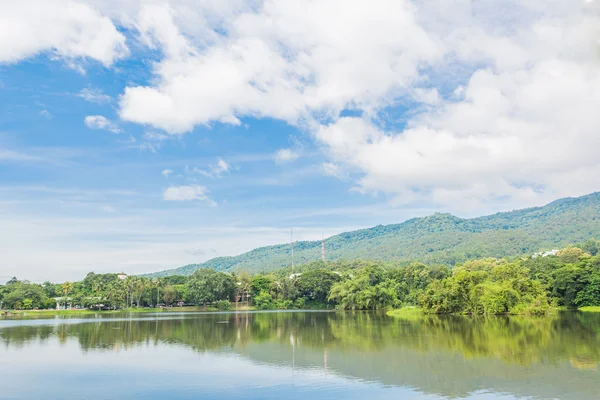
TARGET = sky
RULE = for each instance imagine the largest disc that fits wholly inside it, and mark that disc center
(142, 135)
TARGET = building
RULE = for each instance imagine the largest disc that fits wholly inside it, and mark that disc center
(122, 276)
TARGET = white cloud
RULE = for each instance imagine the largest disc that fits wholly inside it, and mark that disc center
(11, 155)
(214, 171)
(101, 122)
(45, 114)
(69, 29)
(521, 131)
(332, 169)
(286, 155)
(185, 193)
(166, 172)
(286, 60)
(155, 136)
(94, 96)
(492, 102)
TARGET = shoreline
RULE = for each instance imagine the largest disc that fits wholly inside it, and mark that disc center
(28, 313)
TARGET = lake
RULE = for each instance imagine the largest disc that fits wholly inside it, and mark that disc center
(298, 355)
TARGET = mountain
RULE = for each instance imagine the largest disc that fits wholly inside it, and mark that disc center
(439, 238)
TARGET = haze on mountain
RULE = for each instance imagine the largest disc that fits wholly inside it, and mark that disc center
(439, 238)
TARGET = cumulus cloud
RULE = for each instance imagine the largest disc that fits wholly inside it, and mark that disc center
(520, 130)
(285, 60)
(185, 193)
(166, 172)
(456, 103)
(69, 29)
(101, 122)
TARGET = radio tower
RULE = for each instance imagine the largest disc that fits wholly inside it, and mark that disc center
(292, 237)
(322, 247)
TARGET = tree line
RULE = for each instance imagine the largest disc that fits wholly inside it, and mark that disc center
(532, 285)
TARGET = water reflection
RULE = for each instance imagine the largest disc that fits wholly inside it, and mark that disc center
(555, 357)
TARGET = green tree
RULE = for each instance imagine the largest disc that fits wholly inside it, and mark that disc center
(67, 288)
(260, 283)
(316, 284)
(369, 289)
(207, 285)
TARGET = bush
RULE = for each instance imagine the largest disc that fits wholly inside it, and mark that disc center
(263, 301)
(284, 305)
(300, 302)
(223, 305)
(27, 304)
(49, 304)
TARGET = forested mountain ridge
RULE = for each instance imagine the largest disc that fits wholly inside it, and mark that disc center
(439, 238)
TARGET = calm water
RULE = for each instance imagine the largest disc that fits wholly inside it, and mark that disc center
(297, 355)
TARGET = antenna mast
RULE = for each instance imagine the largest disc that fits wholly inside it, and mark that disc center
(292, 250)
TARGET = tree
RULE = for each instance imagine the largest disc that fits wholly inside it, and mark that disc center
(316, 284)
(158, 283)
(67, 288)
(244, 285)
(260, 283)
(16, 294)
(591, 247)
(50, 289)
(207, 285)
(116, 293)
(570, 255)
(369, 289)
(567, 282)
(590, 294)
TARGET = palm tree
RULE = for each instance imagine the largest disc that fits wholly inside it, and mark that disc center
(98, 287)
(245, 284)
(158, 282)
(67, 287)
(130, 283)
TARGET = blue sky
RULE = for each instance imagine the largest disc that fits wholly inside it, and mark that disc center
(138, 136)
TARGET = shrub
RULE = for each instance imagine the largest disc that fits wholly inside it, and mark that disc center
(300, 302)
(284, 305)
(263, 301)
(223, 304)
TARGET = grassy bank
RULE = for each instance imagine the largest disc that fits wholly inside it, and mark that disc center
(590, 309)
(120, 311)
(405, 312)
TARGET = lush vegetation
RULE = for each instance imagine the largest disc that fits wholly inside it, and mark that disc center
(437, 239)
(533, 285)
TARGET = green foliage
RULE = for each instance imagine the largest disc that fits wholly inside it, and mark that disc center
(590, 294)
(173, 293)
(22, 294)
(487, 287)
(261, 283)
(591, 247)
(263, 301)
(208, 285)
(223, 305)
(437, 239)
(299, 303)
(370, 289)
(316, 284)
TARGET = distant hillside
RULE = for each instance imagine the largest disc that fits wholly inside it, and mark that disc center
(440, 238)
